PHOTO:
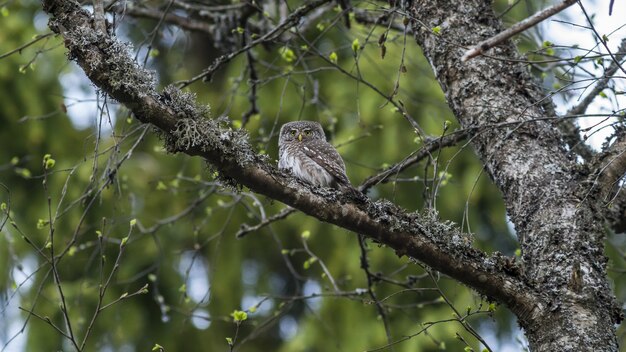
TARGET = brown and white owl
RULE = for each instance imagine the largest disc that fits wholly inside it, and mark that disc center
(303, 150)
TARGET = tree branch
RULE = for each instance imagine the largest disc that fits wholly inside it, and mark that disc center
(602, 83)
(427, 149)
(187, 129)
(516, 28)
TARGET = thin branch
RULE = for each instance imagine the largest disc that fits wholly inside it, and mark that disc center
(425, 151)
(246, 229)
(602, 83)
(170, 18)
(365, 265)
(601, 38)
(289, 22)
(516, 28)
(22, 47)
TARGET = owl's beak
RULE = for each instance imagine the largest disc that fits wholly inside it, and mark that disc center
(300, 137)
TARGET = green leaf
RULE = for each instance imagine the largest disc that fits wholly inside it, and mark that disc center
(161, 186)
(436, 30)
(41, 223)
(355, 45)
(305, 235)
(133, 222)
(307, 263)
(333, 57)
(49, 164)
(287, 54)
(229, 341)
(158, 347)
(72, 251)
(577, 59)
(25, 173)
(239, 316)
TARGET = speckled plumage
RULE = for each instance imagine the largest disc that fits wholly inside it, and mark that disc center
(304, 151)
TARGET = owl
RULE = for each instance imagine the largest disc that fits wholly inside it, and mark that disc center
(303, 150)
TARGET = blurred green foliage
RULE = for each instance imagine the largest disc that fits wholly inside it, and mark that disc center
(183, 245)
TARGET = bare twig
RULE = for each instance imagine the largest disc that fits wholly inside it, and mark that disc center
(516, 28)
(429, 147)
(170, 18)
(602, 83)
(22, 47)
(246, 229)
(289, 22)
(365, 265)
(600, 38)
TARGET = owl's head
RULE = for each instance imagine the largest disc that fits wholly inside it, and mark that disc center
(301, 131)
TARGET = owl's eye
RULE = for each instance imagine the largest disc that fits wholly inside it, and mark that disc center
(307, 132)
(292, 132)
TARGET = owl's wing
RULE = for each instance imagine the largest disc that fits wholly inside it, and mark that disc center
(326, 156)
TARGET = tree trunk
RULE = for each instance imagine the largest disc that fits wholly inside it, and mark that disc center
(548, 199)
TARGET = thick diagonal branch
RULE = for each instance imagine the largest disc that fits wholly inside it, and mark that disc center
(186, 129)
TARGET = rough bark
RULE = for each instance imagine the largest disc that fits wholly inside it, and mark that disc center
(553, 209)
(560, 295)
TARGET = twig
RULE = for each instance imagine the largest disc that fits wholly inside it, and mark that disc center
(458, 316)
(180, 21)
(289, 22)
(53, 262)
(445, 141)
(246, 229)
(601, 83)
(19, 49)
(600, 38)
(252, 97)
(516, 28)
(370, 283)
